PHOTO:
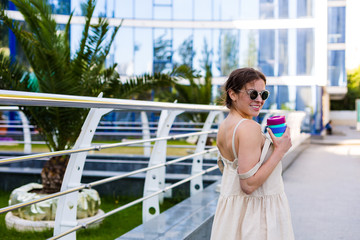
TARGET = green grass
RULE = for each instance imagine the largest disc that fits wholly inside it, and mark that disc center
(39, 148)
(112, 227)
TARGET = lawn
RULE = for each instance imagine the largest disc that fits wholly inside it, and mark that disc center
(112, 227)
(171, 151)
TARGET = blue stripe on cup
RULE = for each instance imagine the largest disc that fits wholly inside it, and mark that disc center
(277, 129)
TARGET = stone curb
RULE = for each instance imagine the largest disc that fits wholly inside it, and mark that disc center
(23, 225)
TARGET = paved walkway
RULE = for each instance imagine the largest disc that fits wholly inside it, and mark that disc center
(323, 188)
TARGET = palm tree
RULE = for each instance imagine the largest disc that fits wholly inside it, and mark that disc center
(11, 72)
(48, 52)
(199, 88)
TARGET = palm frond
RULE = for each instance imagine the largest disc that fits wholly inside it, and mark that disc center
(12, 75)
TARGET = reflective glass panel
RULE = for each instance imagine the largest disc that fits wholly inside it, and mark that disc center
(336, 68)
(183, 9)
(267, 51)
(305, 51)
(336, 24)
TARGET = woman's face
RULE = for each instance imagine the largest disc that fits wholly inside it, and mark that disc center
(242, 102)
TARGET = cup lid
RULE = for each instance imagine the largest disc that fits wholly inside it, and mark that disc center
(275, 120)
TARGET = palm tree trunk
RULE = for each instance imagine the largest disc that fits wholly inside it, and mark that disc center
(53, 173)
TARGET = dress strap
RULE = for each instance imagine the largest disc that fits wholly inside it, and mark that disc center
(233, 138)
(252, 171)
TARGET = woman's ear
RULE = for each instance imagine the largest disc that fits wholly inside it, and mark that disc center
(232, 95)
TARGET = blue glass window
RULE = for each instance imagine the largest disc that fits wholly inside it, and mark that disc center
(162, 50)
(162, 9)
(283, 8)
(228, 9)
(283, 64)
(266, 9)
(272, 98)
(266, 52)
(202, 10)
(143, 51)
(304, 8)
(303, 98)
(228, 52)
(183, 9)
(60, 6)
(142, 8)
(283, 97)
(124, 9)
(336, 24)
(182, 38)
(124, 49)
(305, 51)
(336, 68)
(203, 49)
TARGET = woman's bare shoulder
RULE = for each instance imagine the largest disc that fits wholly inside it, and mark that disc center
(249, 126)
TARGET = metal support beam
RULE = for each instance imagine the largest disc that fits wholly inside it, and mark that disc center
(67, 205)
(146, 133)
(196, 184)
(155, 179)
(26, 131)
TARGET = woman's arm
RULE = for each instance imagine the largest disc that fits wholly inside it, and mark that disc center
(249, 145)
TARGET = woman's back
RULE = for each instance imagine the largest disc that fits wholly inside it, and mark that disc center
(250, 216)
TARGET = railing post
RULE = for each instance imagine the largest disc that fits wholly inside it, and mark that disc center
(196, 184)
(26, 131)
(67, 205)
(155, 179)
(145, 133)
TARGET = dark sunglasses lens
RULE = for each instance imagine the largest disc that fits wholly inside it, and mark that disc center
(253, 94)
(265, 95)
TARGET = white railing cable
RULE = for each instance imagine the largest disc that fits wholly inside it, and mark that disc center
(98, 147)
(152, 167)
(106, 180)
(50, 196)
(96, 219)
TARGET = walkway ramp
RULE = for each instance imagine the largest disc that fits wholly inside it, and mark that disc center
(190, 219)
(323, 188)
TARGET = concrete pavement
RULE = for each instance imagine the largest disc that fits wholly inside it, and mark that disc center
(323, 187)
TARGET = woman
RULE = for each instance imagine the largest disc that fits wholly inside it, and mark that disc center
(252, 203)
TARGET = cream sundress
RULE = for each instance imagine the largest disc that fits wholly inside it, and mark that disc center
(262, 215)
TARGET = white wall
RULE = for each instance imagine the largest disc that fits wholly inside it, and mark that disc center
(347, 118)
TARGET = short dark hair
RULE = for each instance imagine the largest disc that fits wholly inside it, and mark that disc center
(237, 80)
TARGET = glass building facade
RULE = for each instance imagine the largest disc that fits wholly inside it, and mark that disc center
(298, 44)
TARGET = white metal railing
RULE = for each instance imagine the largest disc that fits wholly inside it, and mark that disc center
(105, 129)
(65, 221)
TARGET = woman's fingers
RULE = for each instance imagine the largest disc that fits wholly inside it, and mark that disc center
(271, 134)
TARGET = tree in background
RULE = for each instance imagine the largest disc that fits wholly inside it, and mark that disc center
(353, 92)
(186, 51)
(251, 56)
(198, 89)
(228, 52)
(55, 71)
(162, 53)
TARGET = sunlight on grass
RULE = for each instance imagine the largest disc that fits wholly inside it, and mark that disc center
(112, 227)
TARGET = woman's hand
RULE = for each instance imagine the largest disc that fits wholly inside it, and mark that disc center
(283, 143)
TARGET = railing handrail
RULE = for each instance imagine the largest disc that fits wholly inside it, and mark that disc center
(9, 97)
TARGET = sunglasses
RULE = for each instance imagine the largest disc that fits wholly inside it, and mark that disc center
(253, 94)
